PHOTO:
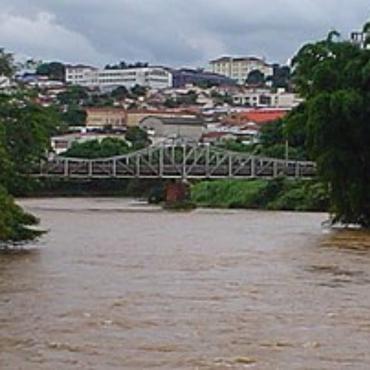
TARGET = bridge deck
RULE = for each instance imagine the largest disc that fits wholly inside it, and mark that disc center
(177, 161)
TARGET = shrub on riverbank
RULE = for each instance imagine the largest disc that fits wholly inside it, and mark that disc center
(278, 194)
(14, 221)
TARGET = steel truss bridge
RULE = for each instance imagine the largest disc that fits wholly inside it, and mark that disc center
(177, 160)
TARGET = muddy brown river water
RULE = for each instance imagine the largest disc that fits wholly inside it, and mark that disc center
(119, 285)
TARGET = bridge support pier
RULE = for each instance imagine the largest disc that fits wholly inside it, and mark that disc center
(176, 192)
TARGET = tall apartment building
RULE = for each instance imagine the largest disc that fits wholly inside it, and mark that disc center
(239, 68)
(108, 79)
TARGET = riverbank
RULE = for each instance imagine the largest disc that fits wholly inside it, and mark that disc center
(278, 194)
(131, 188)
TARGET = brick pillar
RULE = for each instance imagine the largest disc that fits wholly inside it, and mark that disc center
(176, 192)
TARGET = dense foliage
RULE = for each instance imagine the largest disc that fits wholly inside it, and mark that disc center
(334, 77)
(278, 194)
(14, 221)
(274, 141)
(255, 77)
(136, 139)
(6, 63)
(25, 128)
(124, 65)
(54, 71)
(108, 147)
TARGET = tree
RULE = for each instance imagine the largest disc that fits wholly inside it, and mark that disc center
(366, 31)
(189, 98)
(73, 95)
(7, 67)
(139, 90)
(281, 77)
(14, 222)
(74, 116)
(170, 103)
(272, 133)
(332, 35)
(53, 70)
(137, 137)
(25, 129)
(120, 93)
(124, 65)
(120, 65)
(335, 80)
(255, 77)
(108, 147)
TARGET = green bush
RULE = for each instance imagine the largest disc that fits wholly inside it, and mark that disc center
(228, 194)
(14, 221)
(301, 195)
(277, 194)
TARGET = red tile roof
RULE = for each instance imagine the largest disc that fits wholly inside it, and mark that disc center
(260, 116)
(257, 116)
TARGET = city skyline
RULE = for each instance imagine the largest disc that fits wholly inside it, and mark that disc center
(175, 33)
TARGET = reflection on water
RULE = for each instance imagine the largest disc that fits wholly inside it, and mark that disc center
(119, 285)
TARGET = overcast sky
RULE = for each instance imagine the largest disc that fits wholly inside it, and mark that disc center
(170, 32)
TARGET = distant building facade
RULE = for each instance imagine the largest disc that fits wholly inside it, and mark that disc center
(161, 128)
(108, 79)
(184, 76)
(360, 39)
(267, 98)
(135, 117)
(238, 69)
(99, 118)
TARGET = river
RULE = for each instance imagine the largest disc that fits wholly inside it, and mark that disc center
(119, 285)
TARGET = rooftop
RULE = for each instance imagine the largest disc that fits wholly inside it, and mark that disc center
(258, 116)
(181, 121)
(105, 110)
(237, 59)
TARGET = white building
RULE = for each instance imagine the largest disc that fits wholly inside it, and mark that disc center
(108, 79)
(239, 68)
(360, 39)
(266, 98)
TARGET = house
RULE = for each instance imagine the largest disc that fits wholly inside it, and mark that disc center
(99, 118)
(256, 116)
(266, 98)
(161, 128)
(246, 125)
(214, 137)
(135, 116)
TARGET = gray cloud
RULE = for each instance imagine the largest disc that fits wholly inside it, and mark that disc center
(179, 32)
